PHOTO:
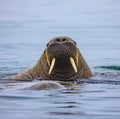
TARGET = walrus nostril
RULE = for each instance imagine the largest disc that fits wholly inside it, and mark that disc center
(64, 39)
(61, 40)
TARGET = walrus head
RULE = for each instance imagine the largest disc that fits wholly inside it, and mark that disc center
(61, 53)
(62, 60)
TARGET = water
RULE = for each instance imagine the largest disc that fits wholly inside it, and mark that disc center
(26, 27)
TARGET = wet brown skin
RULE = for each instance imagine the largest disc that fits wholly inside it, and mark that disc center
(60, 49)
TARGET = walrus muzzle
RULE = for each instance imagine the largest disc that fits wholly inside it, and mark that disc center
(61, 60)
(61, 53)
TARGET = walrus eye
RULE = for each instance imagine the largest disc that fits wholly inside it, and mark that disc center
(75, 43)
(47, 44)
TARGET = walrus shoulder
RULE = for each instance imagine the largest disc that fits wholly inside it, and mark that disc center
(24, 75)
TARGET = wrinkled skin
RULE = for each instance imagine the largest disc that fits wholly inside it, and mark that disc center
(61, 61)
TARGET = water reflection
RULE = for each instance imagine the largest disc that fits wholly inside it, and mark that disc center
(91, 100)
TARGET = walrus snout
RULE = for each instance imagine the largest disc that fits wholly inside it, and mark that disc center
(61, 47)
(61, 52)
(65, 49)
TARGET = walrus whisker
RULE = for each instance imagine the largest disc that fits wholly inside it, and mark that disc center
(72, 61)
(52, 65)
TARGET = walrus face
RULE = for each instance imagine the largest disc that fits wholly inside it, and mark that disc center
(61, 55)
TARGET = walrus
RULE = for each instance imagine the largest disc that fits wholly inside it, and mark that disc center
(60, 61)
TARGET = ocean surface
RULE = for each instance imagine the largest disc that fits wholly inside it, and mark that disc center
(25, 28)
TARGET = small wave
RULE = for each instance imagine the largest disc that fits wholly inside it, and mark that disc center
(109, 67)
(96, 81)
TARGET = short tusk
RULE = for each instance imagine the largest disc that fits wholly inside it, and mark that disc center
(52, 65)
(73, 64)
